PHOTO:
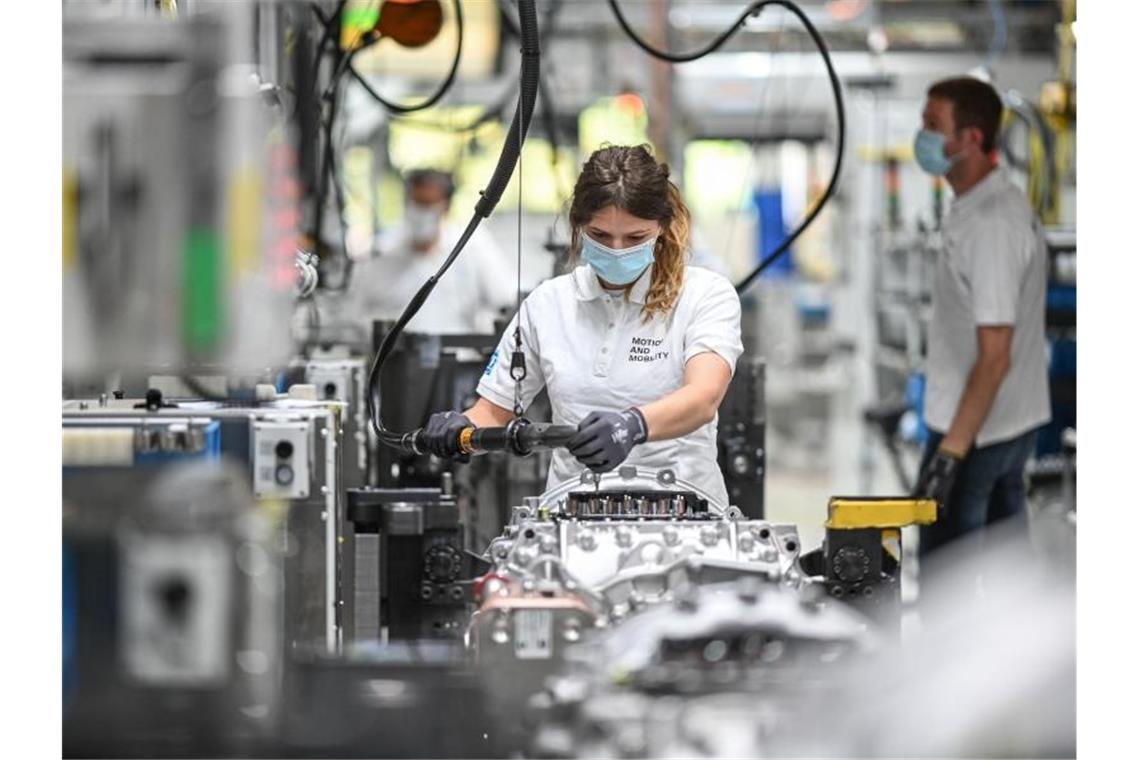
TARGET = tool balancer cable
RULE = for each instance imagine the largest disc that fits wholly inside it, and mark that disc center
(512, 149)
(841, 118)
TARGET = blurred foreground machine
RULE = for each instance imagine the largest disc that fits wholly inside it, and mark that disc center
(179, 234)
(204, 550)
(215, 560)
(287, 454)
(157, 563)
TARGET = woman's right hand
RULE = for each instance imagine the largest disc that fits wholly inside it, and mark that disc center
(441, 435)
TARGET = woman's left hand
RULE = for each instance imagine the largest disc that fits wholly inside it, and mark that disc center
(604, 439)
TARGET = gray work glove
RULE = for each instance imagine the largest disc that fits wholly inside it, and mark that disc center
(936, 481)
(441, 435)
(604, 439)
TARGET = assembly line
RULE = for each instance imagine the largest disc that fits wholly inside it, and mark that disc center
(512, 378)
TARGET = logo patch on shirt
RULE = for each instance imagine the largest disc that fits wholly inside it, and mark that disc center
(491, 364)
(646, 350)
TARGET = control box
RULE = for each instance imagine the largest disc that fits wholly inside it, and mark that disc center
(333, 381)
(282, 454)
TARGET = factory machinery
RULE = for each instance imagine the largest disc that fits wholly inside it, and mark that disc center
(226, 593)
(255, 565)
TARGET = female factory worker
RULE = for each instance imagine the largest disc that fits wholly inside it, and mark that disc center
(635, 348)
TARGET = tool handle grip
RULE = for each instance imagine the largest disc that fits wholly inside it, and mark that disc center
(519, 437)
(542, 436)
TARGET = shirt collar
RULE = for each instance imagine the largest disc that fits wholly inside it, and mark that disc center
(588, 288)
(979, 193)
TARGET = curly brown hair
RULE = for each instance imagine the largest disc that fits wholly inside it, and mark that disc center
(630, 178)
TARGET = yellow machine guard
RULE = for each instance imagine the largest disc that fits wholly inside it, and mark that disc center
(856, 513)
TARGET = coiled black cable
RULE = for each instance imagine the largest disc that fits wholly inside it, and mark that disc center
(836, 88)
(440, 91)
(512, 149)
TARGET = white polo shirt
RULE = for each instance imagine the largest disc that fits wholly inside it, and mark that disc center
(467, 299)
(593, 352)
(992, 271)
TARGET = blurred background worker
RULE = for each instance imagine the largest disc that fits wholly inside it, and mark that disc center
(987, 370)
(467, 300)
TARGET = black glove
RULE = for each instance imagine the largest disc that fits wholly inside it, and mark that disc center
(604, 439)
(937, 479)
(441, 435)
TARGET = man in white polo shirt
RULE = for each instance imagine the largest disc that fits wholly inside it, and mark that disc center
(987, 386)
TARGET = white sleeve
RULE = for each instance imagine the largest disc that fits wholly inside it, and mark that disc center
(715, 324)
(497, 385)
(996, 266)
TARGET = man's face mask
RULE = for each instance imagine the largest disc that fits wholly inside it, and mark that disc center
(618, 267)
(930, 152)
(423, 222)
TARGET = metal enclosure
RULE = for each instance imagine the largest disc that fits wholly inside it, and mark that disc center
(344, 380)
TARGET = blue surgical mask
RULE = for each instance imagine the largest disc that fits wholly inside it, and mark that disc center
(930, 152)
(618, 267)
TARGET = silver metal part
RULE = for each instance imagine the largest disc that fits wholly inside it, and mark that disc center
(343, 380)
(627, 556)
(629, 478)
(534, 633)
(173, 438)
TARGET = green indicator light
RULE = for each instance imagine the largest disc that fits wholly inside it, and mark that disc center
(361, 19)
(201, 292)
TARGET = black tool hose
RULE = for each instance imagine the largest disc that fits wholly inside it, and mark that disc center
(528, 93)
(512, 148)
(836, 89)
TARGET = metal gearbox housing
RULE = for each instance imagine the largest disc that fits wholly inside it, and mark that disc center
(577, 558)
